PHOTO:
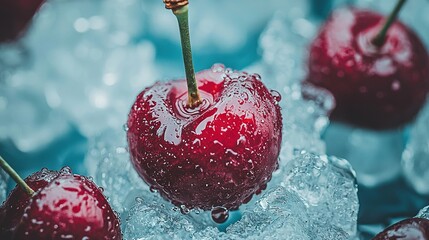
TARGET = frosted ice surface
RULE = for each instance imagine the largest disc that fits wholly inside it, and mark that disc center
(327, 186)
(318, 200)
(278, 214)
(415, 158)
(153, 218)
(108, 160)
(3, 184)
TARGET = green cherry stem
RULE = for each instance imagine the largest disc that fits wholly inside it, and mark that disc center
(182, 17)
(379, 40)
(9, 170)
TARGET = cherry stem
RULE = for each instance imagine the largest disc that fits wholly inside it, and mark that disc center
(379, 40)
(9, 170)
(182, 17)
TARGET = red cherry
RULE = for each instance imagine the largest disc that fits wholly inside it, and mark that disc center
(64, 206)
(374, 87)
(15, 15)
(218, 154)
(408, 229)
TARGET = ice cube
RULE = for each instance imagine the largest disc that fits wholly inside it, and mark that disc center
(279, 214)
(375, 155)
(26, 119)
(108, 160)
(327, 185)
(154, 218)
(415, 158)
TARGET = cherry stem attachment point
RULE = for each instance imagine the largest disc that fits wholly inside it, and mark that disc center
(11, 172)
(182, 17)
(379, 40)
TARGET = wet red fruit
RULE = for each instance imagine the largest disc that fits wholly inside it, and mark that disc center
(374, 87)
(64, 206)
(218, 154)
(15, 15)
(408, 229)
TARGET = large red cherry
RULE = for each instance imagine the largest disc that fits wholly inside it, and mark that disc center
(217, 154)
(408, 229)
(374, 86)
(64, 206)
(15, 16)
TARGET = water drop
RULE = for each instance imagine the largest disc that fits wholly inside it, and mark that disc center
(153, 189)
(257, 76)
(125, 127)
(276, 95)
(220, 214)
(65, 170)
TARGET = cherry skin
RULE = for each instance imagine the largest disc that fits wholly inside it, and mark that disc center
(378, 88)
(216, 155)
(408, 229)
(15, 15)
(64, 206)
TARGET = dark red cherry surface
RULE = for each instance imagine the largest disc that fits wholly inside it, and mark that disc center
(218, 154)
(64, 206)
(374, 87)
(15, 15)
(408, 229)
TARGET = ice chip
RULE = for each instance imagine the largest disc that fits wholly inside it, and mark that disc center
(327, 185)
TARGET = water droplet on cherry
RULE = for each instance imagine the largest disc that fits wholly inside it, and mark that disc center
(220, 214)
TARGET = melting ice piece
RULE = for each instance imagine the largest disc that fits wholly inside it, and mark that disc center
(3, 184)
(108, 160)
(375, 155)
(25, 116)
(415, 158)
(327, 186)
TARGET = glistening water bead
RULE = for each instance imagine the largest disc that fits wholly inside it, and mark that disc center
(220, 214)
